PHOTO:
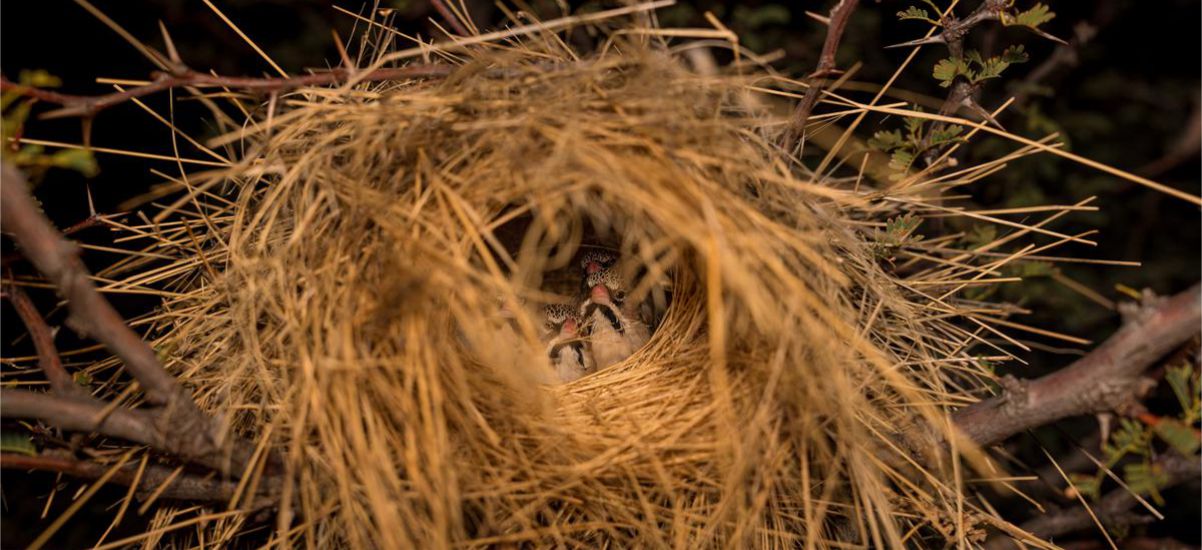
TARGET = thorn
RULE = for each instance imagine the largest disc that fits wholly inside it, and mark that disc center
(346, 59)
(1047, 36)
(980, 111)
(818, 17)
(172, 53)
(1104, 421)
(937, 39)
(91, 205)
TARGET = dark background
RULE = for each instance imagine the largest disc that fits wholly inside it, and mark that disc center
(1126, 103)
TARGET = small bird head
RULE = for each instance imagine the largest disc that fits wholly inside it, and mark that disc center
(606, 286)
(597, 260)
(560, 320)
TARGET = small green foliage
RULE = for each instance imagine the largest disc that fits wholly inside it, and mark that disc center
(886, 140)
(916, 13)
(975, 68)
(1033, 18)
(1184, 383)
(33, 159)
(17, 443)
(1177, 435)
(39, 78)
(1088, 485)
(901, 160)
(82, 378)
(1146, 478)
(946, 71)
(1130, 438)
(980, 235)
(1032, 269)
(80, 160)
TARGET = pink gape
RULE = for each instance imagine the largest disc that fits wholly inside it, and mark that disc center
(568, 328)
(592, 267)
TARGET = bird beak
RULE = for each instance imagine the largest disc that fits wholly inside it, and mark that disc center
(599, 294)
(569, 328)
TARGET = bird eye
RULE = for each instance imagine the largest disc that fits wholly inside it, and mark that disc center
(620, 295)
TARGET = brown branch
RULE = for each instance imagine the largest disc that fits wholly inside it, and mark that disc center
(182, 487)
(87, 106)
(1112, 510)
(148, 427)
(840, 14)
(1108, 378)
(43, 341)
(180, 426)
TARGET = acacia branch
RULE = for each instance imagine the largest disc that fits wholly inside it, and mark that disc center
(43, 342)
(182, 486)
(179, 426)
(88, 106)
(1112, 510)
(1108, 378)
(840, 14)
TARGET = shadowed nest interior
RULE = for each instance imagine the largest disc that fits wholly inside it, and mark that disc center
(352, 294)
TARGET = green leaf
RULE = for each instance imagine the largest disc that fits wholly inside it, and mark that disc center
(1033, 269)
(82, 378)
(1014, 54)
(1146, 479)
(914, 12)
(39, 79)
(17, 443)
(901, 160)
(914, 128)
(80, 160)
(981, 235)
(946, 71)
(1085, 484)
(1177, 435)
(945, 134)
(1034, 17)
(1178, 378)
(886, 140)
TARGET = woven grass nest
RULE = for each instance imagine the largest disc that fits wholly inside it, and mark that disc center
(358, 293)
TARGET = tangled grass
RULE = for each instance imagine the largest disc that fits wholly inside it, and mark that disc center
(346, 293)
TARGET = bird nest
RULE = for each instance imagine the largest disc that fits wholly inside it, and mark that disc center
(360, 294)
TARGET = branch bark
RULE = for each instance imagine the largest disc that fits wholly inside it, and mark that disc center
(1108, 378)
(1114, 509)
(840, 14)
(43, 342)
(87, 106)
(182, 487)
(179, 425)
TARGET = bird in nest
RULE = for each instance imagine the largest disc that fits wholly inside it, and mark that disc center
(616, 324)
(568, 352)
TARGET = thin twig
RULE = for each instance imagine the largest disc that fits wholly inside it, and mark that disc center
(182, 487)
(840, 14)
(88, 106)
(43, 341)
(1112, 510)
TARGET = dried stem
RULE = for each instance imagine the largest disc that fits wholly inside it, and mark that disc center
(1107, 379)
